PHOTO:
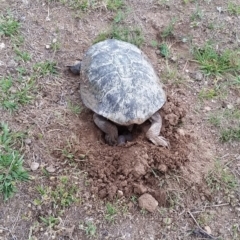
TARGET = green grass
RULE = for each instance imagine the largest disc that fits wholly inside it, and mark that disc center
(21, 55)
(49, 221)
(14, 93)
(9, 26)
(90, 229)
(196, 15)
(168, 30)
(11, 161)
(115, 4)
(111, 212)
(227, 122)
(128, 34)
(208, 94)
(60, 196)
(230, 134)
(215, 63)
(220, 178)
(85, 5)
(74, 108)
(45, 68)
(233, 9)
(164, 50)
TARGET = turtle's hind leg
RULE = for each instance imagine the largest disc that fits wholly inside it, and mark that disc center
(109, 128)
(154, 131)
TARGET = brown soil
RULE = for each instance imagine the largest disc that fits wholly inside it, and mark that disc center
(125, 168)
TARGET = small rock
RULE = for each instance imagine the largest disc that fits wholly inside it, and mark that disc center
(51, 169)
(119, 193)
(208, 230)
(47, 46)
(167, 221)
(158, 52)
(54, 40)
(2, 45)
(28, 141)
(148, 202)
(238, 101)
(198, 76)
(174, 58)
(230, 106)
(52, 178)
(82, 156)
(181, 132)
(12, 64)
(207, 109)
(34, 166)
(219, 9)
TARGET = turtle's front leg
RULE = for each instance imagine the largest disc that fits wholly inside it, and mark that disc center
(154, 131)
(109, 128)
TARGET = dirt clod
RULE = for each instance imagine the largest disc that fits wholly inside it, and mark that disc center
(148, 202)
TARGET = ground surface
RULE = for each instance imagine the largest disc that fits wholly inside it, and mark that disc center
(85, 189)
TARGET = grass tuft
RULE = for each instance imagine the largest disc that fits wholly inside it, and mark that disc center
(214, 63)
(220, 178)
(120, 32)
(233, 9)
(9, 26)
(230, 134)
(15, 92)
(45, 68)
(11, 162)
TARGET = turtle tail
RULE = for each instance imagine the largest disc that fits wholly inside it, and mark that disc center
(75, 69)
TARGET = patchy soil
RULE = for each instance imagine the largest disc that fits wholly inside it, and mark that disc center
(72, 146)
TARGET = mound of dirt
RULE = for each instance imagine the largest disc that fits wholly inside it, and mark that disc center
(132, 169)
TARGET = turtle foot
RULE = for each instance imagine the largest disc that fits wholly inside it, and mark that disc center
(160, 141)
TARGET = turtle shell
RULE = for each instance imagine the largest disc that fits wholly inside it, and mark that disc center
(119, 83)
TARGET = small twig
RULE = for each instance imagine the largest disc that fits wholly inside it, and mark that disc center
(218, 205)
(16, 220)
(211, 237)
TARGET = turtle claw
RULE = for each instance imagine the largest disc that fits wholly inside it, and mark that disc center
(111, 139)
(160, 141)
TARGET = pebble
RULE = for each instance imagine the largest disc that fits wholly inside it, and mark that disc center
(208, 230)
(47, 46)
(167, 221)
(207, 109)
(12, 64)
(2, 45)
(119, 193)
(51, 169)
(28, 141)
(198, 76)
(230, 106)
(34, 166)
(238, 101)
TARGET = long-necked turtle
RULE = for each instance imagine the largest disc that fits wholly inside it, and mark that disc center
(119, 84)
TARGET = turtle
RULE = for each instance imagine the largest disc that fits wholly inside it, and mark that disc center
(119, 84)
